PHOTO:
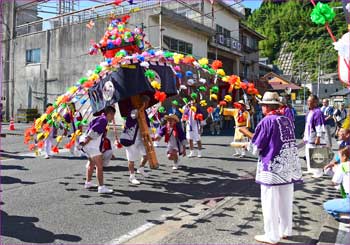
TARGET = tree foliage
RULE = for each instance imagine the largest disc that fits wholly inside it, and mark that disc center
(290, 22)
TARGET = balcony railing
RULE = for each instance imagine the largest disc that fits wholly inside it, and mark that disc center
(186, 10)
(228, 42)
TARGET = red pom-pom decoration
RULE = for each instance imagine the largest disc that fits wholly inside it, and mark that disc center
(210, 109)
(216, 64)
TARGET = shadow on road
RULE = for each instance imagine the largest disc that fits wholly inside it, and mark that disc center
(24, 229)
(12, 180)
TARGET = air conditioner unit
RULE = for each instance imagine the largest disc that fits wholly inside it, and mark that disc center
(228, 42)
(234, 44)
(239, 46)
(221, 39)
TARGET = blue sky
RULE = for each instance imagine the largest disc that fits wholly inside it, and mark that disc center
(253, 4)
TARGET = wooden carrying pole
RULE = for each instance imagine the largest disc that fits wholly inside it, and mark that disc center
(146, 138)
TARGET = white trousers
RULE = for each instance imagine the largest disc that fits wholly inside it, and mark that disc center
(315, 171)
(277, 207)
(48, 144)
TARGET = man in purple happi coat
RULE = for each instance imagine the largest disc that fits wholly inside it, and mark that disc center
(277, 170)
(315, 134)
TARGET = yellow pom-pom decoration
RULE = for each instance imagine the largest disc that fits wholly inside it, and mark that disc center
(181, 110)
(221, 72)
(193, 108)
(72, 90)
(225, 79)
(346, 123)
(213, 97)
(59, 139)
(203, 103)
(228, 98)
(40, 136)
(156, 85)
(154, 130)
(78, 132)
(203, 61)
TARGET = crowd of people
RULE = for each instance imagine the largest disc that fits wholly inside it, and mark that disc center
(272, 140)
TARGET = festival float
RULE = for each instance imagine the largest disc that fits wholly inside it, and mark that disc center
(131, 68)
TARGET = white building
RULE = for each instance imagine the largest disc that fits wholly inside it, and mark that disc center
(329, 84)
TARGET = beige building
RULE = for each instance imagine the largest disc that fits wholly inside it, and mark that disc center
(48, 60)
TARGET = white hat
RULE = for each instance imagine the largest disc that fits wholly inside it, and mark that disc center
(270, 98)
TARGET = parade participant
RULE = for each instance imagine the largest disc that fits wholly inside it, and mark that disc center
(131, 138)
(193, 126)
(91, 143)
(344, 137)
(339, 116)
(71, 117)
(242, 120)
(277, 171)
(315, 133)
(107, 153)
(336, 207)
(174, 137)
(286, 110)
(155, 121)
(175, 109)
(327, 111)
(49, 139)
(215, 120)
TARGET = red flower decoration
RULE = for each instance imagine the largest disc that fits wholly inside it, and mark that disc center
(125, 18)
(26, 140)
(160, 96)
(216, 64)
(88, 84)
(185, 117)
(250, 85)
(237, 105)
(118, 2)
(50, 109)
(199, 117)
(210, 109)
(31, 147)
(46, 127)
(244, 86)
(188, 60)
(55, 149)
(222, 103)
(40, 144)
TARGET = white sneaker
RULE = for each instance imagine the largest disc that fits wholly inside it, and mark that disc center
(104, 189)
(199, 154)
(89, 185)
(235, 154)
(155, 144)
(175, 165)
(141, 171)
(191, 154)
(47, 156)
(264, 239)
(133, 180)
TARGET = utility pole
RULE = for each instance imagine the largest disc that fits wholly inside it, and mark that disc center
(160, 26)
(318, 75)
(8, 21)
(12, 58)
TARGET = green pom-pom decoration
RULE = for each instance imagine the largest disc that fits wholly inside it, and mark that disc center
(64, 105)
(215, 89)
(322, 13)
(175, 102)
(194, 96)
(83, 80)
(205, 67)
(151, 120)
(211, 71)
(55, 105)
(202, 89)
(78, 124)
(98, 69)
(84, 122)
(150, 74)
(161, 109)
(50, 122)
(168, 54)
(185, 100)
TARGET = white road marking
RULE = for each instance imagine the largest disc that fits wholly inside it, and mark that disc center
(343, 236)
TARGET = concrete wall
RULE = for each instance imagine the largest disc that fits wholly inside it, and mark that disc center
(224, 18)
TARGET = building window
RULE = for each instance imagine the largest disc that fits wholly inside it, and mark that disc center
(33, 56)
(223, 31)
(178, 45)
(325, 90)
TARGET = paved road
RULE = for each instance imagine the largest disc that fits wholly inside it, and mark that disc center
(208, 200)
